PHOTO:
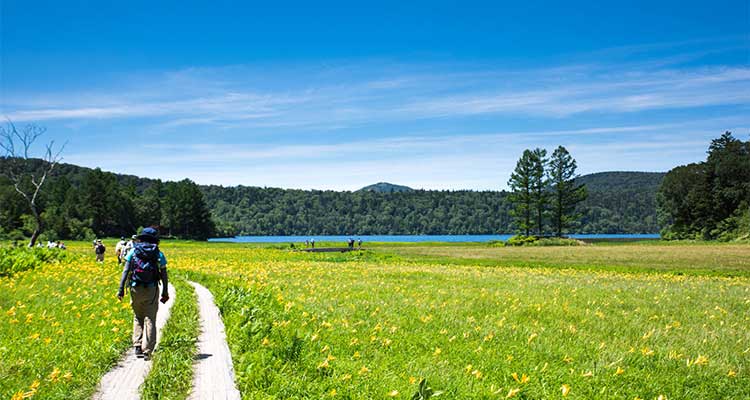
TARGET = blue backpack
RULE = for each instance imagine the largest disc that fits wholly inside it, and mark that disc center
(144, 265)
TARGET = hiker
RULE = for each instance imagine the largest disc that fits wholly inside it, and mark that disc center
(312, 243)
(350, 243)
(359, 243)
(119, 249)
(128, 246)
(61, 246)
(99, 249)
(145, 266)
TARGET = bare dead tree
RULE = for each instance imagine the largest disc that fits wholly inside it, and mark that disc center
(16, 144)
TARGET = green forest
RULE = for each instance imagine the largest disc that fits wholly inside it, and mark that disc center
(709, 199)
(80, 202)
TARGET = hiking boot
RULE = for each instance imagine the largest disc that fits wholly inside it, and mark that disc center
(138, 352)
(146, 356)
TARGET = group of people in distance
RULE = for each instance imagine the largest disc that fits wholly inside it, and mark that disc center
(350, 243)
(51, 244)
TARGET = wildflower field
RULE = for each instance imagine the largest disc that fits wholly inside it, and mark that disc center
(374, 324)
(61, 327)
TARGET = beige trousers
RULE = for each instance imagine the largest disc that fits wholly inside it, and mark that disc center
(145, 303)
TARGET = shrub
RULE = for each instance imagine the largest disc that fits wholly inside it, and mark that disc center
(520, 240)
(13, 260)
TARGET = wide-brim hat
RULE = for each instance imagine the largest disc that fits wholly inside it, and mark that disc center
(148, 235)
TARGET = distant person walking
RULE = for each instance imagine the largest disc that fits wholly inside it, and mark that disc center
(99, 250)
(145, 266)
(128, 246)
(119, 250)
(359, 243)
(312, 243)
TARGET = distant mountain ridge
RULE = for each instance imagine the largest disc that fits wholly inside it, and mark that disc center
(385, 187)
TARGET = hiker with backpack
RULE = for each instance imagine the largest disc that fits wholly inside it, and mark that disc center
(99, 250)
(145, 267)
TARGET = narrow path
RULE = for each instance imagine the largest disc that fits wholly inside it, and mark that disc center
(213, 376)
(123, 381)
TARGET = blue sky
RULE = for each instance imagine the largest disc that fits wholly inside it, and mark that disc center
(338, 95)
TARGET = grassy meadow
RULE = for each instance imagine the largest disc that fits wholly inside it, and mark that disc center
(61, 328)
(606, 321)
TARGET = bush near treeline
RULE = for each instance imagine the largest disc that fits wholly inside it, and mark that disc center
(709, 199)
(17, 259)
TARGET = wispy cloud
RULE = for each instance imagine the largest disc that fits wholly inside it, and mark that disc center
(251, 97)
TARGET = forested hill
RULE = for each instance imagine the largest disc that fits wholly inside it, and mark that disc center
(618, 202)
(622, 180)
(385, 187)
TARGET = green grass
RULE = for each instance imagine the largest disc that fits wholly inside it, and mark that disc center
(61, 328)
(373, 324)
(172, 371)
(706, 259)
(608, 321)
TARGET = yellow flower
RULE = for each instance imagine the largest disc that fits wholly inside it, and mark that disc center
(437, 351)
(363, 370)
(332, 392)
(412, 380)
(661, 397)
(54, 375)
(512, 393)
(731, 373)
(265, 341)
(565, 389)
(531, 337)
(619, 371)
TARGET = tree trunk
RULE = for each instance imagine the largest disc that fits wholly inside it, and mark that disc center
(38, 229)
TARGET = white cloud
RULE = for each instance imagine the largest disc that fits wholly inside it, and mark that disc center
(236, 96)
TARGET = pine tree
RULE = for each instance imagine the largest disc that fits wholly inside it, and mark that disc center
(539, 192)
(565, 193)
(521, 186)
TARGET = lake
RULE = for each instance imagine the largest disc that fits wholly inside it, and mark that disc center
(414, 238)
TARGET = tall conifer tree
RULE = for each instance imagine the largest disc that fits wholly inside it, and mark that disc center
(565, 193)
(539, 193)
(521, 186)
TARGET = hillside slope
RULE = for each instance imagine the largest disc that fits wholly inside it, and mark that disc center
(619, 202)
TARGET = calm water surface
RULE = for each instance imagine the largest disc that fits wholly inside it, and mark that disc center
(414, 238)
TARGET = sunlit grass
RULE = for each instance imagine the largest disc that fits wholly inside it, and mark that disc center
(373, 325)
(514, 322)
(61, 329)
